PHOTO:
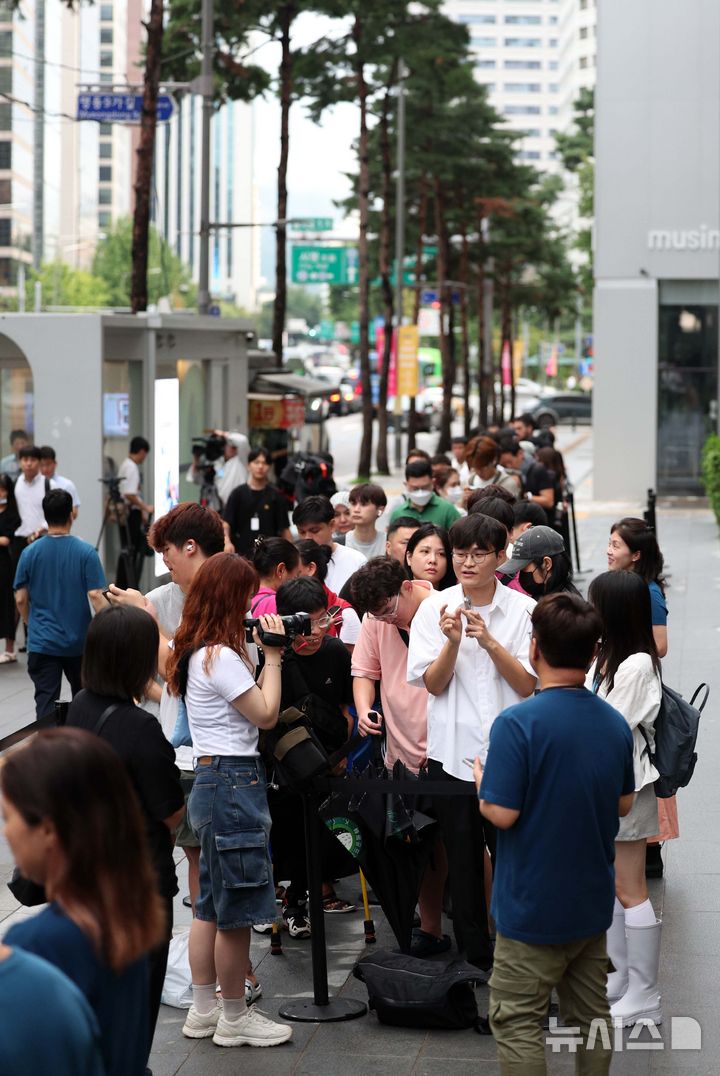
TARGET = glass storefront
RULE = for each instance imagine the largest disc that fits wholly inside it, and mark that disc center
(687, 392)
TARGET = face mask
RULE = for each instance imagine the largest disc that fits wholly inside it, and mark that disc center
(455, 493)
(420, 497)
(531, 586)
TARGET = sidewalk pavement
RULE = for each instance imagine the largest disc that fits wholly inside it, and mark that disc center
(687, 898)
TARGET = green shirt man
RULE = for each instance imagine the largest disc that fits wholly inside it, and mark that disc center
(421, 502)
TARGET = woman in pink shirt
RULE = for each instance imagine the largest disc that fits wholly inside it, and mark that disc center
(275, 560)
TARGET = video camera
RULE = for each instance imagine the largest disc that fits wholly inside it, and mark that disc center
(206, 450)
(295, 624)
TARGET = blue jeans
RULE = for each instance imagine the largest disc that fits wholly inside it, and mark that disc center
(229, 812)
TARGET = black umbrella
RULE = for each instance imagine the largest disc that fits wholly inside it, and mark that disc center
(391, 840)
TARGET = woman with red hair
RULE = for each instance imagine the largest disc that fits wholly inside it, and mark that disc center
(211, 668)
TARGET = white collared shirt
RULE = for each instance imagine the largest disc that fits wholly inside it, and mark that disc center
(459, 720)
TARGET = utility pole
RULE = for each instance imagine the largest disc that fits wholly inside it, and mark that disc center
(399, 248)
(206, 80)
(38, 233)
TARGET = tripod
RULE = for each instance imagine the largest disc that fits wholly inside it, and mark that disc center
(129, 562)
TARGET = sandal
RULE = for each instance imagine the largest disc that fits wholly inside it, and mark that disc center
(332, 903)
(7, 657)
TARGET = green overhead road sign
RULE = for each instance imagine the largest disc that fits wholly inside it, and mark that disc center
(311, 224)
(324, 265)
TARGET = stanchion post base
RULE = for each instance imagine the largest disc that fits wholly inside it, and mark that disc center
(337, 1009)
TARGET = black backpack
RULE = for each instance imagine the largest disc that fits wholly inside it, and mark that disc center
(676, 730)
(409, 992)
(307, 474)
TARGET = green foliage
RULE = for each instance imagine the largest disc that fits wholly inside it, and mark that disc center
(64, 286)
(167, 276)
(711, 472)
(300, 304)
(576, 148)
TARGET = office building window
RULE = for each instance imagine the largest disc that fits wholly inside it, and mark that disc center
(5, 116)
(553, 65)
(6, 272)
(105, 151)
(486, 65)
(553, 42)
(6, 39)
(523, 65)
(483, 42)
(583, 32)
(522, 87)
(105, 173)
(477, 20)
(6, 79)
(106, 12)
(552, 20)
(106, 35)
(531, 132)
(106, 58)
(5, 191)
(106, 76)
(553, 110)
(522, 42)
(105, 196)
(522, 110)
(583, 61)
(553, 87)
(523, 20)
(105, 130)
(5, 155)
(5, 233)
(104, 219)
(529, 155)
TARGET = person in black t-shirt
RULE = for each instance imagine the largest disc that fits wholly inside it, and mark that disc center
(315, 665)
(255, 509)
(538, 481)
(120, 658)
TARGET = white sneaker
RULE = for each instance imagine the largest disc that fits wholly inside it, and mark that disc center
(201, 1025)
(253, 991)
(251, 1029)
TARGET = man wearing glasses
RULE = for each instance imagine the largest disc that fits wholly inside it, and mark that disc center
(469, 647)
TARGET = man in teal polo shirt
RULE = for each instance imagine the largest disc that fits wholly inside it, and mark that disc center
(421, 502)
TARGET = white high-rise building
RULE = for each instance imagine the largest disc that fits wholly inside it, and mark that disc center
(234, 253)
(576, 56)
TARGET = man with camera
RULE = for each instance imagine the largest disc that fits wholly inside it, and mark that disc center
(224, 453)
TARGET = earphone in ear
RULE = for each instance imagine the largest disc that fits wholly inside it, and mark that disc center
(189, 546)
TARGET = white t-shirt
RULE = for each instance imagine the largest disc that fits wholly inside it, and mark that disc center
(343, 563)
(129, 478)
(350, 630)
(459, 720)
(29, 497)
(69, 487)
(217, 728)
(168, 601)
(376, 548)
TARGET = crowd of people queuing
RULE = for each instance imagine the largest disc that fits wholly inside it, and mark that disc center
(444, 623)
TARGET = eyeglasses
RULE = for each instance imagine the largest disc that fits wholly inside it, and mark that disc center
(322, 622)
(390, 612)
(476, 557)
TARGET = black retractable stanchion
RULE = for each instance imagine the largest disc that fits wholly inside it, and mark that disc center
(321, 1009)
(573, 521)
(649, 513)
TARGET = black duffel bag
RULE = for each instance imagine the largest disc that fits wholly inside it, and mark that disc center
(408, 992)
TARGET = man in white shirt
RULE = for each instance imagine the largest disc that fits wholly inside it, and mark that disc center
(30, 489)
(48, 468)
(139, 512)
(314, 518)
(469, 646)
(231, 471)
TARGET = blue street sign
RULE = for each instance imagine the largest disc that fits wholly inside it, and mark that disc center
(214, 311)
(427, 297)
(119, 107)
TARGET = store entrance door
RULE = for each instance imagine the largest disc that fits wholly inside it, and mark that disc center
(687, 393)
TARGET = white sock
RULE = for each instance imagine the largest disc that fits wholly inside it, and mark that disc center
(234, 1008)
(618, 908)
(642, 915)
(204, 998)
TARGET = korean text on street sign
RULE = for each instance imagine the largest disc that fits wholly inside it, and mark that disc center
(312, 224)
(407, 360)
(119, 107)
(323, 265)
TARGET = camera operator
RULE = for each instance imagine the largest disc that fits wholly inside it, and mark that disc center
(230, 469)
(130, 483)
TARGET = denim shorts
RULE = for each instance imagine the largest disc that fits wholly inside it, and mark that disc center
(229, 812)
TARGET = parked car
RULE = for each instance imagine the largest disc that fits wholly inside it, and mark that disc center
(563, 407)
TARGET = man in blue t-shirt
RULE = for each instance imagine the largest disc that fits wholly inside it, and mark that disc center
(58, 578)
(558, 776)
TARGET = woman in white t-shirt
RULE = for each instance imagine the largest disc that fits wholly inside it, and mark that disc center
(627, 675)
(211, 667)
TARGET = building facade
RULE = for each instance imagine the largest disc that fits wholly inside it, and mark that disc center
(657, 256)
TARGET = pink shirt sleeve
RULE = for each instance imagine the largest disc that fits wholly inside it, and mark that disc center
(366, 655)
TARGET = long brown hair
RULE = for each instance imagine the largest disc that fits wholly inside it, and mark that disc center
(216, 603)
(108, 887)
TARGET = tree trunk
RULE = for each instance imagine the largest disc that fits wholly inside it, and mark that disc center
(445, 299)
(422, 223)
(505, 338)
(365, 458)
(381, 452)
(464, 331)
(286, 15)
(145, 155)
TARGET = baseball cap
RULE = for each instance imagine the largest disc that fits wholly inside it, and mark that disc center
(532, 545)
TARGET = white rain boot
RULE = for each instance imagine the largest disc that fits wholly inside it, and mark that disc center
(640, 1004)
(617, 982)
